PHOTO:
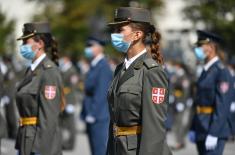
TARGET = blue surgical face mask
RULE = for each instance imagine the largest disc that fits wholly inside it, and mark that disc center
(118, 43)
(88, 53)
(199, 53)
(27, 52)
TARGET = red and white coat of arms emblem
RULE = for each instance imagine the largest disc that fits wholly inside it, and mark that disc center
(158, 95)
(50, 92)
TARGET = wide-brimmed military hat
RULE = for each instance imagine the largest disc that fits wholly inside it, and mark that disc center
(206, 37)
(131, 14)
(31, 29)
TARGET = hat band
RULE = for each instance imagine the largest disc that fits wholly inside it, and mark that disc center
(207, 40)
(26, 36)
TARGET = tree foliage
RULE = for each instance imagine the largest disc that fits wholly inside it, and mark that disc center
(218, 17)
(6, 33)
(73, 21)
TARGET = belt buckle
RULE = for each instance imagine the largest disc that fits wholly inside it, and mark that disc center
(115, 130)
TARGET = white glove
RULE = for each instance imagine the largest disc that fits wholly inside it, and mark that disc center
(211, 142)
(69, 108)
(180, 107)
(232, 107)
(4, 101)
(90, 119)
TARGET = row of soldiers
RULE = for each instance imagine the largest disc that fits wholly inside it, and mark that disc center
(11, 72)
(73, 74)
(182, 88)
(181, 100)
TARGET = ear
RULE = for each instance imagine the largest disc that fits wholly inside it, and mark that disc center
(212, 47)
(41, 44)
(138, 35)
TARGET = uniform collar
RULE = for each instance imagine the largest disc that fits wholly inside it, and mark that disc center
(131, 60)
(210, 63)
(37, 62)
(95, 61)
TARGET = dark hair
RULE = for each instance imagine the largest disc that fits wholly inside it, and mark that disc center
(50, 45)
(149, 30)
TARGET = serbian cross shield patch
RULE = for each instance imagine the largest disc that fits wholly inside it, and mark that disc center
(224, 87)
(50, 92)
(158, 95)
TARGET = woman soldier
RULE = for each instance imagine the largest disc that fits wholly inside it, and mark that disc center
(138, 95)
(210, 125)
(39, 95)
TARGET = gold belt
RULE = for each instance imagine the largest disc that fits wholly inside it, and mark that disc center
(28, 121)
(125, 131)
(67, 90)
(204, 109)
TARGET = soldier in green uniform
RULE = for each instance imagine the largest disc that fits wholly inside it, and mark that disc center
(138, 95)
(39, 95)
(67, 119)
(3, 130)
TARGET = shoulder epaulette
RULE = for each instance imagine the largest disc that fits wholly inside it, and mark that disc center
(139, 64)
(221, 65)
(150, 63)
(48, 65)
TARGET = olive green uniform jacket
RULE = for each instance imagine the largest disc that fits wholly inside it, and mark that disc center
(39, 95)
(132, 102)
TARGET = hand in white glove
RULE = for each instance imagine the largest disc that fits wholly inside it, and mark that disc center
(232, 107)
(69, 109)
(90, 119)
(180, 107)
(4, 101)
(211, 142)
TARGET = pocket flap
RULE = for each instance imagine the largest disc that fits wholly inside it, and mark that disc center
(130, 89)
(132, 142)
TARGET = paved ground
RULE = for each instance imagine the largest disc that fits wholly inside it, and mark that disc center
(82, 147)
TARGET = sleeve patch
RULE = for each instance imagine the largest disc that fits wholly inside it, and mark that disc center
(224, 87)
(158, 95)
(50, 92)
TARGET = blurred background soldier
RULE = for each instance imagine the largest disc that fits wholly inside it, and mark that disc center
(231, 67)
(180, 88)
(212, 102)
(70, 81)
(95, 107)
(3, 131)
(10, 106)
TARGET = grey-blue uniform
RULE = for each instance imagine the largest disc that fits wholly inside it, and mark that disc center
(232, 88)
(95, 103)
(212, 103)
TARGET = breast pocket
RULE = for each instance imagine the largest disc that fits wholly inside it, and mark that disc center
(130, 97)
(32, 87)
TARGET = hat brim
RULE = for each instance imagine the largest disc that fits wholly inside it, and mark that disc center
(26, 36)
(201, 42)
(118, 23)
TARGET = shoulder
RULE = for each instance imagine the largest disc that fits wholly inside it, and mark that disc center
(50, 69)
(219, 65)
(149, 63)
(152, 68)
(48, 64)
(221, 68)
